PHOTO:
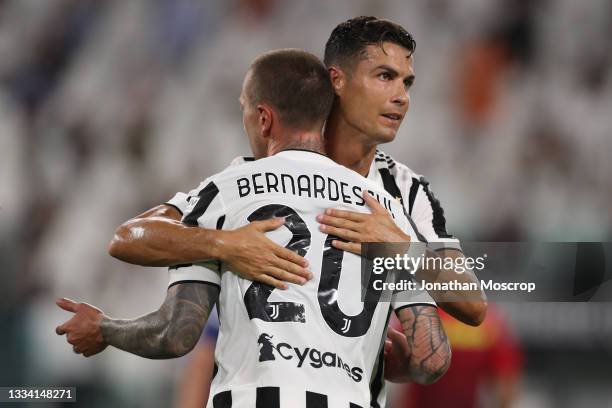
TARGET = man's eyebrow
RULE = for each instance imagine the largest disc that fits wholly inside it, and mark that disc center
(410, 78)
(387, 68)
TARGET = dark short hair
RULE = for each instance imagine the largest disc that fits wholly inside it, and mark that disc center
(349, 39)
(295, 83)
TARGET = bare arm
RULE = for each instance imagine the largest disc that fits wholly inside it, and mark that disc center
(422, 352)
(169, 332)
(157, 237)
(193, 387)
(467, 306)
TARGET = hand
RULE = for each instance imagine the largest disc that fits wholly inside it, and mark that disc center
(83, 329)
(397, 356)
(253, 256)
(357, 227)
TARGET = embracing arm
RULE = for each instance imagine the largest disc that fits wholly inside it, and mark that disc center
(421, 353)
(169, 332)
(467, 306)
(157, 237)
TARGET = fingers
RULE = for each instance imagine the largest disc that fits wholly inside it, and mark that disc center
(67, 304)
(281, 252)
(282, 275)
(338, 222)
(60, 330)
(297, 274)
(353, 247)
(394, 334)
(388, 346)
(292, 257)
(64, 328)
(345, 234)
(374, 205)
(348, 215)
(269, 280)
(269, 225)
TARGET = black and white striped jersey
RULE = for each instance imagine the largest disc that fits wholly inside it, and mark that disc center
(415, 193)
(400, 181)
(316, 345)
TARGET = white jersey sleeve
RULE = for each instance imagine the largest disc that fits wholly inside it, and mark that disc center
(180, 200)
(411, 298)
(428, 215)
(419, 201)
(205, 209)
(417, 296)
(414, 297)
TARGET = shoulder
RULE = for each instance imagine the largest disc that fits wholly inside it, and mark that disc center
(397, 169)
(237, 161)
(237, 166)
(414, 186)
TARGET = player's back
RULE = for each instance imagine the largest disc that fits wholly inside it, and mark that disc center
(307, 344)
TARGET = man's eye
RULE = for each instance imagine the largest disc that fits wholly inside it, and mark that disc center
(385, 76)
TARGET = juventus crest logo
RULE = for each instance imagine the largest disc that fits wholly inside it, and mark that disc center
(347, 325)
(275, 312)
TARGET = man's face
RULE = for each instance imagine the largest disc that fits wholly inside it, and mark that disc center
(250, 122)
(375, 96)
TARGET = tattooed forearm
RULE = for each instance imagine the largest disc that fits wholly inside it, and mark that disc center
(172, 330)
(431, 353)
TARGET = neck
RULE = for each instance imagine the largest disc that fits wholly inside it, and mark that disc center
(304, 140)
(346, 145)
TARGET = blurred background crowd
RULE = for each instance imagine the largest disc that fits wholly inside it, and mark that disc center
(109, 107)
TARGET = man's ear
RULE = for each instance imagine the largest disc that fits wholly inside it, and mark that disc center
(266, 117)
(338, 78)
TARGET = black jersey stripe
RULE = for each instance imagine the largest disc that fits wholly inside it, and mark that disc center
(207, 195)
(267, 397)
(414, 189)
(420, 236)
(414, 304)
(438, 222)
(215, 370)
(391, 187)
(223, 400)
(220, 222)
(185, 265)
(195, 281)
(377, 382)
(315, 400)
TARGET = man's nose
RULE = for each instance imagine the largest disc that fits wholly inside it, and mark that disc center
(400, 97)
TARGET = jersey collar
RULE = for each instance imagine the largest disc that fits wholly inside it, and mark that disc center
(303, 154)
